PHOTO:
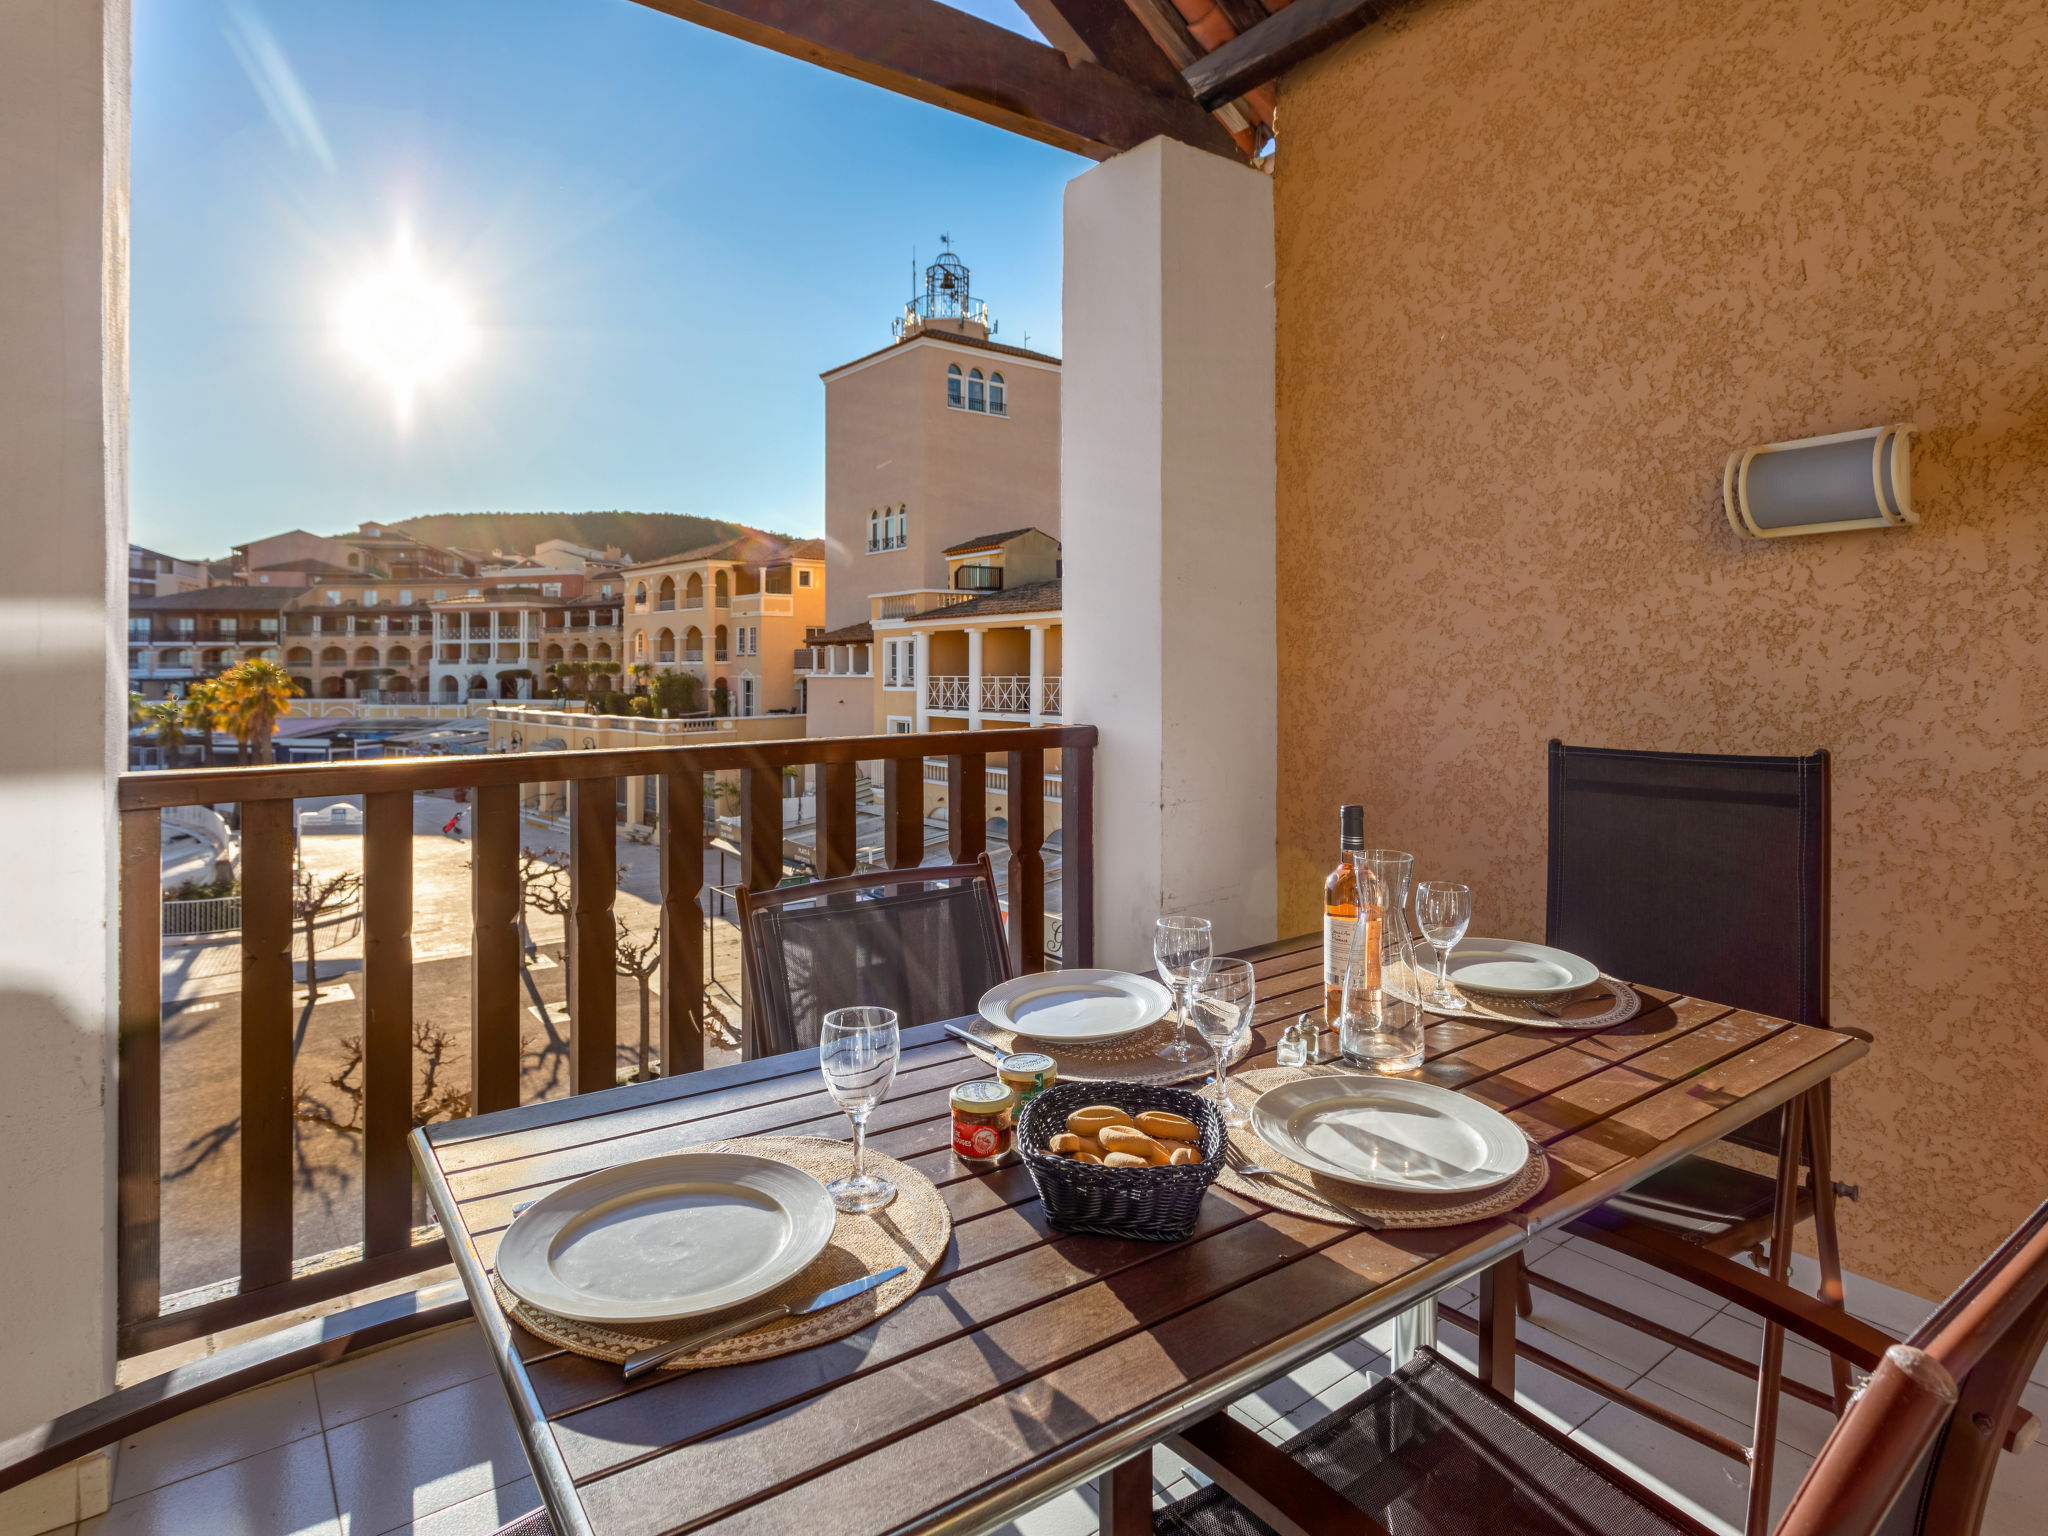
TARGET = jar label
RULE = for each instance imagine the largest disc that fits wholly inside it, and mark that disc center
(971, 1140)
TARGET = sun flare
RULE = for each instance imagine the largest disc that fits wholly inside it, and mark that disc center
(408, 330)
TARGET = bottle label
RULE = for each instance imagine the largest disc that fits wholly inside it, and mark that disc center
(1336, 948)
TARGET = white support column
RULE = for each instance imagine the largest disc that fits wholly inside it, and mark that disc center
(921, 661)
(1037, 634)
(974, 679)
(1167, 508)
(63, 612)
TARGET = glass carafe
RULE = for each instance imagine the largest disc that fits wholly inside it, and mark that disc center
(1381, 1023)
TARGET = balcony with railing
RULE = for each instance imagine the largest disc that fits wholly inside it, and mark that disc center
(905, 605)
(948, 695)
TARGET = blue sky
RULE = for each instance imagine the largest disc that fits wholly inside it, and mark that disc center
(661, 235)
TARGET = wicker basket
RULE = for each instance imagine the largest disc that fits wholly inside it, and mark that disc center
(1157, 1204)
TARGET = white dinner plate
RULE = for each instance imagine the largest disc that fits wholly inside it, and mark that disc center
(1391, 1133)
(666, 1238)
(1075, 1006)
(1511, 968)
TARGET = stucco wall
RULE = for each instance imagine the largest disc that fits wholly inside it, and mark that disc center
(1539, 269)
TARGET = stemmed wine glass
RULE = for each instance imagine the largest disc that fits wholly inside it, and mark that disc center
(1223, 998)
(1443, 911)
(857, 1052)
(1181, 947)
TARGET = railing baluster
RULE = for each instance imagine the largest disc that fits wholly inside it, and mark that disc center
(903, 811)
(387, 1020)
(680, 803)
(496, 1008)
(1026, 779)
(761, 826)
(966, 806)
(1077, 858)
(593, 976)
(266, 1132)
(838, 843)
(139, 1194)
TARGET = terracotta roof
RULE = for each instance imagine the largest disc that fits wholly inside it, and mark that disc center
(1032, 597)
(745, 549)
(312, 567)
(952, 339)
(989, 541)
(854, 634)
(221, 599)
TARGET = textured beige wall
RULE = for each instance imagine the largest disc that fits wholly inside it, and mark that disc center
(1540, 268)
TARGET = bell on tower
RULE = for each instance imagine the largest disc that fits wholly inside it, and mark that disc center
(947, 302)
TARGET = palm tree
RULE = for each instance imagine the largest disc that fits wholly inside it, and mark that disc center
(166, 721)
(201, 710)
(257, 693)
(642, 671)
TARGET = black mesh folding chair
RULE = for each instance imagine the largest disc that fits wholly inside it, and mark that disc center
(1431, 1449)
(926, 942)
(1705, 875)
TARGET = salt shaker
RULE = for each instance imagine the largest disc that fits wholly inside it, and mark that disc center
(1298, 1044)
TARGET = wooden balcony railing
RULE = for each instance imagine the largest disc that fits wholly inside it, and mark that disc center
(269, 1283)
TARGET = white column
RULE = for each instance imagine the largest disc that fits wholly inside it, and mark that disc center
(1166, 489)
(1037, 634)
(921, 654)
(63, 608)
(974, 679)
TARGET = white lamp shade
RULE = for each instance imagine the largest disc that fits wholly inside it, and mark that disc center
(1831, 484)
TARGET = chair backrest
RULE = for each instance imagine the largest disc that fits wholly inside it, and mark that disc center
(926, 942)
(1699, 873)
(1915, 1452)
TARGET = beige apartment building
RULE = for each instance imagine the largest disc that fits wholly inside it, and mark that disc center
(930, 443)
(737, 612)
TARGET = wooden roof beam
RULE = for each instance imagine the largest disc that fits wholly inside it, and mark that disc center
(1261, 55)
(935, 54)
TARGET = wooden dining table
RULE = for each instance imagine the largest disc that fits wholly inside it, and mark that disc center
(1032, 1361)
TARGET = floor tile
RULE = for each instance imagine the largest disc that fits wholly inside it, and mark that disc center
(400, 1465)
(2019, 1494)
(353, 1389)
(1702, 1482)
(1799, 1423)
(1069, 1514)
(204, 1438)
(280, 1492)
(479, 1516)
(1638, 1289)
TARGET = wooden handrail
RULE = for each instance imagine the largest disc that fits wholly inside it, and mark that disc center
(268, 1283)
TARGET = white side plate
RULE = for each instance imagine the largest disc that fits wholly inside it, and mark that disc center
(1391, 1133)
(666, 1238)
(1511, 968)
(1076, 1005)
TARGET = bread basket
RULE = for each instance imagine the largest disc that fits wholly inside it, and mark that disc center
(1154, 1204)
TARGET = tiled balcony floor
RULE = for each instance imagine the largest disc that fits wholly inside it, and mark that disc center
(417, 1438)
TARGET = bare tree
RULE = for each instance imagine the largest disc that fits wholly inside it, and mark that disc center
(543, 883)
(433, 1100)
(313, 897)
(638, 960)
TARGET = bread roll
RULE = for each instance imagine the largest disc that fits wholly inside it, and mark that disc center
(1125, 1160)
(1162, 1126)
(1069, 1143)
(1123, 1138)
(1091, 1120)
(1088, 1157)
(1185, 1155)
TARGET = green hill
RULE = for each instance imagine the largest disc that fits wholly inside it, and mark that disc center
(642, 535)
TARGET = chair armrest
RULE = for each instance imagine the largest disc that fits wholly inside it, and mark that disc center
(1269, 1482)
(1804, 1316)
(120, 1414)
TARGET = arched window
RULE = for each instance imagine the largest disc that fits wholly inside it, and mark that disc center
(953, 386)
(996, 407)
(902, 526)
(718, 641)
(693, 592)
(639, 597)
(976, 397)
(874, 530)
(721, 589)
(665, 594)
(639, 642)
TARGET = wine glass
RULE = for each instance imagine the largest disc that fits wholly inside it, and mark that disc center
(1223, 997)
(1443, 911)
(1181, 947)
(857, 1051)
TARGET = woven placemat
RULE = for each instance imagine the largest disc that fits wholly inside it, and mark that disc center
(1606, 1002)
(1342, 1200)
(1132, 1059)
(912, 1230)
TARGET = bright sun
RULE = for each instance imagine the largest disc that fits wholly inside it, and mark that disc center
(407, 329)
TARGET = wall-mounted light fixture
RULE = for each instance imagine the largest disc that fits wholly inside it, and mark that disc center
(1822, 484)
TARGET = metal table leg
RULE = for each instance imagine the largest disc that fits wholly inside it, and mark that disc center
(1414, 1329)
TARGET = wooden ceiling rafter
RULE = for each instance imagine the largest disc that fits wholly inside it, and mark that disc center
(1256, 57)
(935, 54)
(1168, 30)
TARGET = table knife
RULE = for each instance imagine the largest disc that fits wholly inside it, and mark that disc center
(645, 1360)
